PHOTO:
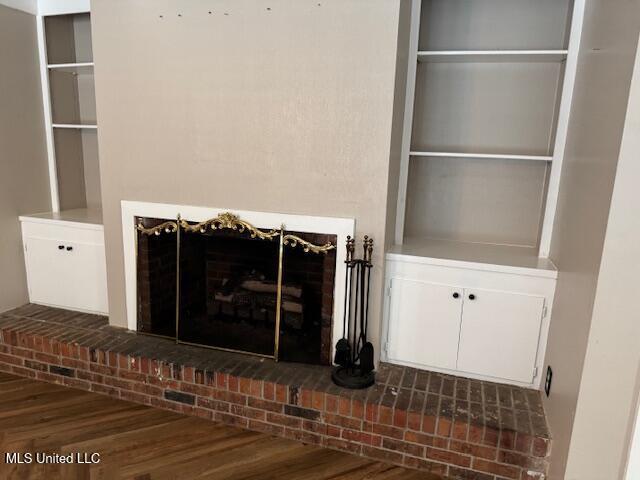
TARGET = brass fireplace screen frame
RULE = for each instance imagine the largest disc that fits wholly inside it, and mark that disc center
(230, 221)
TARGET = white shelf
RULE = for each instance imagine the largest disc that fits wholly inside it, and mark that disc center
(77, 68)
(522, 56)
(478, 256)
(538, 158)
(85, 217)
(74, 126)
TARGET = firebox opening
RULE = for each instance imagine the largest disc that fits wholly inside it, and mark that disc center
(228, 283)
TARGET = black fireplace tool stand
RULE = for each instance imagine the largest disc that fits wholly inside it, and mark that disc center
(354, 353)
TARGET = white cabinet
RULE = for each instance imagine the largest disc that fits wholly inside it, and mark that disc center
(499, 334)
(65, 263)
(430, 324)
(481, 321)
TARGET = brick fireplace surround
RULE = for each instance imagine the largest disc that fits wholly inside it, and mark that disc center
(450, 426)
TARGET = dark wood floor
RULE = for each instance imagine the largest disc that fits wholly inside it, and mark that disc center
(142, 443)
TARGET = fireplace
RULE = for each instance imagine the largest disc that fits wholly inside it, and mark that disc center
(224, 283)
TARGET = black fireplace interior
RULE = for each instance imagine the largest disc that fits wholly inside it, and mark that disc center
(228, 292)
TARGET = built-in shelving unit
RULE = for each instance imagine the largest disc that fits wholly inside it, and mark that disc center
(67, 72)
(488, 95)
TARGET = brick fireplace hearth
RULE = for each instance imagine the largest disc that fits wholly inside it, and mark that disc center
(451, 426)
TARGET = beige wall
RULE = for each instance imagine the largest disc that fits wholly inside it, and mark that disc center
(283, 110)
(24, 186)
(608, 391)
(606, 61)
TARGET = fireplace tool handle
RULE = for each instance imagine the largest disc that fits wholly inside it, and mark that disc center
(354, 353)
(343, 347)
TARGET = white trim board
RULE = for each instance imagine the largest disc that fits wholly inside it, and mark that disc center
(28, 6)
(63, 7)
(341, 227)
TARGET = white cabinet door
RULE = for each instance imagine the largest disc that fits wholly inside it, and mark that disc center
(499, 334)
(67, 274)
(424, 323)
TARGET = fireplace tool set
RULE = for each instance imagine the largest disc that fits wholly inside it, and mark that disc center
(354, 353)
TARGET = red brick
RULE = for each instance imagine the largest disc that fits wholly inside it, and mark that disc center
(231, 397)
(429, 424)
(421, 438)
(133, 376)
(269, 391)
(264, 405)
(4, 358)
(256, 388)
(222, 380)
(266, 428)
(400, 418)
(75, 383)
(302, 436)
(46, 358)
(507, 439)
(315, 427)
(347, 422)
(502, 470)
(521, 460)
(112, 392)
(232, 420)
(481, 451)
(362, 437)
(147, 389)
(476, 433)
(541, 447)
(403, 447)
(357, 409)
(385, 415)
(251, 413)
(281, 393)
(427, 466)
(244, 385)
(460, 430)
(305, 398)
(331, 403)
(414, 421)
(317, 400)
(336, 443)
(285, 420)
(213, 404)
(188, 374)
(21, 352)
(344, 406)
(196, 389)
(491, 437)
(371, 412)
(523, 442)
(387, 431)
(446, 456)
(233, 383)
(444, 427)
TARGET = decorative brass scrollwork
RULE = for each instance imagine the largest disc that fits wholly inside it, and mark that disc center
(229, 221)
(166, 227)
(293, 241)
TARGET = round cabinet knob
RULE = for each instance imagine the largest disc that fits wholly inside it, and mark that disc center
(69, 249)
(60, 247)
(456, 295)
(472, 297)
